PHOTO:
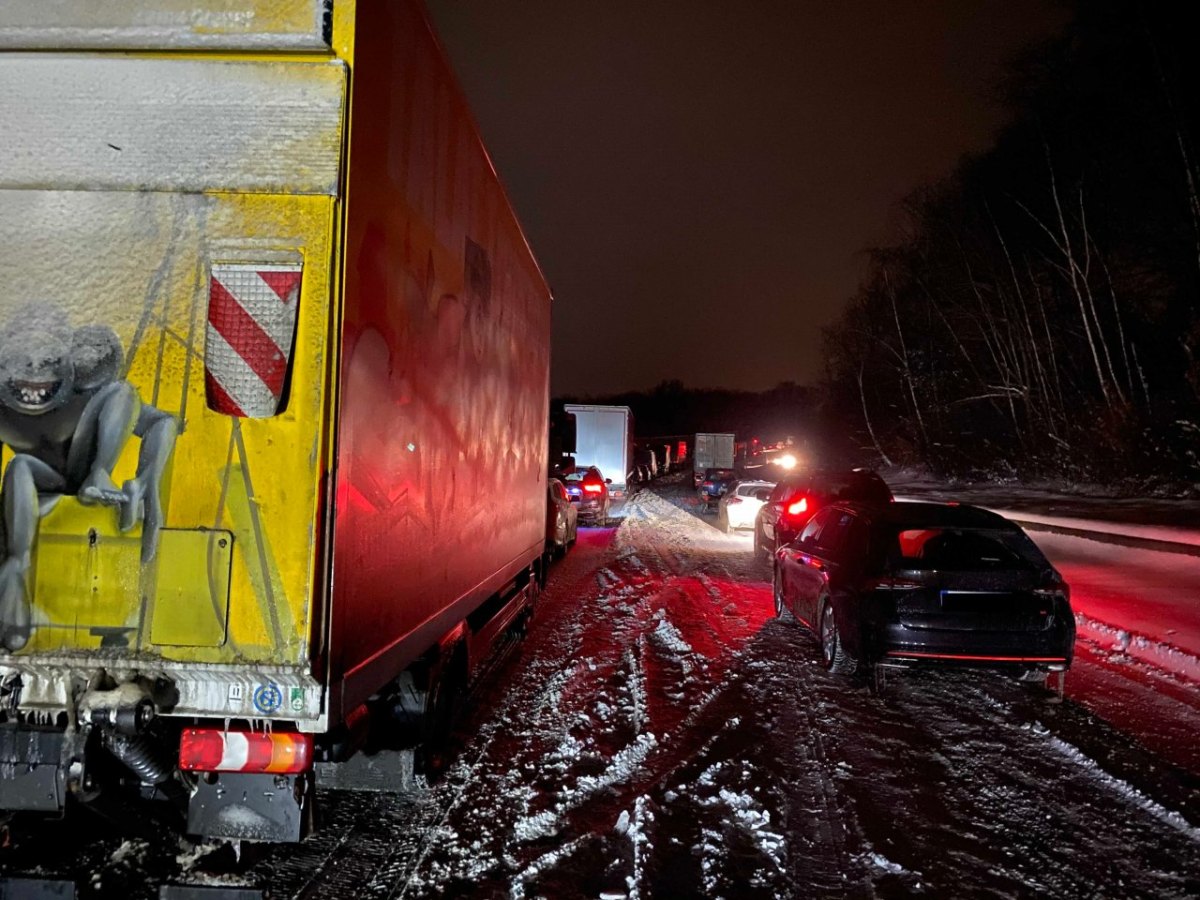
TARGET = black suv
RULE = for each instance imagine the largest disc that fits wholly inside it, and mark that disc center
(798, 495)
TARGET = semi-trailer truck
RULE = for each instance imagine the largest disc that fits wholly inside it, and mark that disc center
(274, 368)
(712, 451)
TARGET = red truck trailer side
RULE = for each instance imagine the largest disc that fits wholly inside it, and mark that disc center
(444, 386)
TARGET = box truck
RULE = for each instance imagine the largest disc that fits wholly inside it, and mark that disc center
(604, 439)
(712, 451)
(274, 360)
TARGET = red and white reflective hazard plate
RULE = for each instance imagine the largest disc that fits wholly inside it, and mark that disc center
(251, 329)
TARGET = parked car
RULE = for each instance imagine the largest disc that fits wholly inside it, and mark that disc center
(899, 584)
(798, 495)
(714, 485)
(739, 507)
(562, 519)
(588, 490)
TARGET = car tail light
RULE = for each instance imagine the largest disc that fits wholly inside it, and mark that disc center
(798, 506)
(214, 750)
(1056, 592)
(593, 488)
(708, 484)
(248, 344)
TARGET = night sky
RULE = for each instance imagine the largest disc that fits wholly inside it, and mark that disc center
(698, 179)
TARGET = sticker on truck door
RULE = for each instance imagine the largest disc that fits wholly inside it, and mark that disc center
(268, 698)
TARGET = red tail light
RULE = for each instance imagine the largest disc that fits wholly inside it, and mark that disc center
(708, 484)
(593, 488)
(213, 750)
(798, 506)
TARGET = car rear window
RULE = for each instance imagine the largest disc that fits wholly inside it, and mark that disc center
(852, 486)
(962, 549)
(784, 489)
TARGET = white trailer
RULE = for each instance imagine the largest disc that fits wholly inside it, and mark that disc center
(604, 439)
(713, 451)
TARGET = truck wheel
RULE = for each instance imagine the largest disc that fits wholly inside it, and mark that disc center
(425, 707)
(441, 709)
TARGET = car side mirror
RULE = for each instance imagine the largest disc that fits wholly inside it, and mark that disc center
(608, 481)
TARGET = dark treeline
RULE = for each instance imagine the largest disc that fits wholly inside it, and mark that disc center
(672, 409)
(1040, 315)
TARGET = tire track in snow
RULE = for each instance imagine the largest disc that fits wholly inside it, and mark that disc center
(954, 760)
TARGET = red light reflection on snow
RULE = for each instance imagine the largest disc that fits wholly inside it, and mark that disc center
(1161, 712)
(671, 636)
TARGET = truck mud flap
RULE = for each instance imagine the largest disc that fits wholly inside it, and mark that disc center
(252, 807)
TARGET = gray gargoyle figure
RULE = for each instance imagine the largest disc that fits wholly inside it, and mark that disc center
(66, 414)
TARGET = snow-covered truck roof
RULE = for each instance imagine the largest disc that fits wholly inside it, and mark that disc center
(292, 25)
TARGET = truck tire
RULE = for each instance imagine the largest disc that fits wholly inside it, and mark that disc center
(425, 708)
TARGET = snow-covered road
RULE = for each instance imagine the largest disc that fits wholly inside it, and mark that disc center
(661, 734)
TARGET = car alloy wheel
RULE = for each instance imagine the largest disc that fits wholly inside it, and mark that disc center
(833, 654)
(781, 610)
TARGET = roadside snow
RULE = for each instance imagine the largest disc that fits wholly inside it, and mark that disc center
(1159, 654)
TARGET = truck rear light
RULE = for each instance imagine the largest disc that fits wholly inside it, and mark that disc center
(798, 506)
(593, 488)
(214, 750)
(251, 330)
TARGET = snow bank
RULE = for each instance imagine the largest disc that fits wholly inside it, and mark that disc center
(1167, 534)
(1143, 648)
